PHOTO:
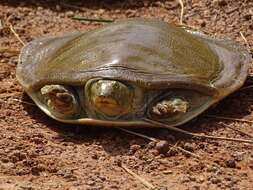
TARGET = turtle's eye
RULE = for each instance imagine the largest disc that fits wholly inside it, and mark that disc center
(60, 100)
(109, 98)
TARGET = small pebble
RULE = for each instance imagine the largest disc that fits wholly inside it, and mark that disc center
(162, 146)
(58, 8)
(247, 17)
(192, 178)
(189, 147)
(220, 2)
(155, 152)
(70, 14)
(167, 172)
(196, 187)
(90, 182)
(231, 163)
(151, 144)
(94, 156)
(185, 179)
(212, 169)
(135, 147)
(201, 179)
(215, 180)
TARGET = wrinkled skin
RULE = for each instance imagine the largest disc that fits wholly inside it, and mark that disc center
(125, 72)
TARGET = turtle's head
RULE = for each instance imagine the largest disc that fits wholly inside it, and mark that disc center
(109, 97)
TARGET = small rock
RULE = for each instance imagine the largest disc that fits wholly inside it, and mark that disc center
(151, 144)
(37, 140)
(36, 170)
(162, 146)
(58, 8)
(155, 152)
(201, 179)
(167, 172)
(192, 178)
(90, 182)
(185, 179)
(228, 178)
(196, 187)
(220, 2)
(94, 156)
(203, 23)
(189, 147)
(201, 146)
(215, 180)
(39, 8)
(238, 156)
(212, 169)
(231, 163)
(247, 17)
(70, 14)
(135, 147)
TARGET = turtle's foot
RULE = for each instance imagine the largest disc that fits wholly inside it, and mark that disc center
(60, 99)
(170, 107)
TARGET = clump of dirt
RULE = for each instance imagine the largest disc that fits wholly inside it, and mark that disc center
(39, 153)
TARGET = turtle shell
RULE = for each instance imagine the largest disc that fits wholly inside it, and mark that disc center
(148, 53)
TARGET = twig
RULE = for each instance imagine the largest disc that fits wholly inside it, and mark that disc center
(229, 118)
(91, 19)
(24, 102)
(182, 11)
(16, 35)
(157, 140)
(245, 40)
(187, 152)
(140, 135)
(232, 10)
(175, 146)
(242, 132)
(246, 87)
(158, 124)
(142, 180)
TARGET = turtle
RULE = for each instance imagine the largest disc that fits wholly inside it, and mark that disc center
(130, 72)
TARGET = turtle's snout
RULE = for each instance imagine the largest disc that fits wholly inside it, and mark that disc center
(110, 97)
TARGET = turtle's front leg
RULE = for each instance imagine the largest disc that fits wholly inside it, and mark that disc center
(60, 100)
(170, 107)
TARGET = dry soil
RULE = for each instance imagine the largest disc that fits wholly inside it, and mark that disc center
(39, 153)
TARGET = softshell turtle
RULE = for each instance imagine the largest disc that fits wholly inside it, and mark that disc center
(128, 71)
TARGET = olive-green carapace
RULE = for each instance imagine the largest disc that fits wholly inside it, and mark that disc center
(129, 71)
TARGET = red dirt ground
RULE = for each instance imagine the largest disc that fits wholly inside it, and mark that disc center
(39, 153)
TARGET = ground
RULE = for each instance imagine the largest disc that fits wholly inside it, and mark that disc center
(37, 152)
